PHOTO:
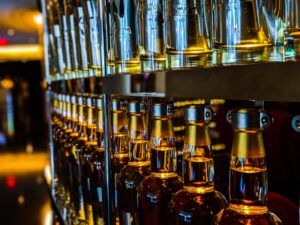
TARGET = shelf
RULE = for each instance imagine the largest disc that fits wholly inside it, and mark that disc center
(269, 82)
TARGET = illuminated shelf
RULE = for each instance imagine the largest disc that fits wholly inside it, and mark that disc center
(269, 81)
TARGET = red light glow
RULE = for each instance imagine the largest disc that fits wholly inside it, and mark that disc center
(11, 182)
(3, 41)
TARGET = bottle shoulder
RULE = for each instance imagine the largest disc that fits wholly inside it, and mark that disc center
(153, 183)
(133, 173)
(231, 217)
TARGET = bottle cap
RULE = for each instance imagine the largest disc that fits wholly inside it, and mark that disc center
(162, 110)
(89, 102)
(197, 113)
(73, 99)
(117, 105)
(249, 119)
(67, 98)
(136, 107)
(97, 102)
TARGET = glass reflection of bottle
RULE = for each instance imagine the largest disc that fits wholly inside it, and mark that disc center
(64, 29)
(198, 202)
(151, 35)
(131, 176)
(158, 188)
(92, 37)
(119, 146)
(86, 152)
(76, 162)
(292, 19)
(69, 34)
(125, 36)
(96, 169)
(188, 34)
(248, 170)
(81, 39)
(244, 32)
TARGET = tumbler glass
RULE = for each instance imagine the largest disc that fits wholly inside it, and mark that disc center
(188, 33)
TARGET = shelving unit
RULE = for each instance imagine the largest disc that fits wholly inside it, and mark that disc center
(269, 82)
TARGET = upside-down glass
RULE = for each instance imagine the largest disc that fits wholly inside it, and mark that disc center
(188, 33)
(246, 31)
(151, 35)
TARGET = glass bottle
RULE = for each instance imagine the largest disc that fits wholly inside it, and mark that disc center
(119, 146)
(92, 37)
(158, 188)
(151, 35)
(125, 36)
(77, 146)
(81, 39)
(188, 33)
(90, 146)
(198, 201)
(96, 169)
(131, 176)
(248, 182)
(244, 32)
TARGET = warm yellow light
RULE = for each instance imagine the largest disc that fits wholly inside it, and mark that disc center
(7, 84)
(47, 173)
(22, 163)
(38, 19)
(21, 52)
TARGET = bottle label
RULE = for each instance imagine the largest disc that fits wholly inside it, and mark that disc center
(99, 191)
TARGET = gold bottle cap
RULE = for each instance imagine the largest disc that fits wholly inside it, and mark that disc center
(249, 119)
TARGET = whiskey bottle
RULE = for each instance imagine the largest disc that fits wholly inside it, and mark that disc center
(130, 177)
(119, 146)
(198, 201)
(81, 39)
(125, 36)
(96, 169)
(188, 33)
(151, 35)
(90, 146)
(77, 146)
(158, 188)
(92, 37)
(248, 171)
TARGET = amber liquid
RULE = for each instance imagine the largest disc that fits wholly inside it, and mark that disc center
(156, 194)
(163, 160)
(248, 186)
(97, 176)
(128, 184)
(85, 157)
(189, 207)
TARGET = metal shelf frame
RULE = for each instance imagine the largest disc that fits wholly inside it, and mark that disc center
(268, 81)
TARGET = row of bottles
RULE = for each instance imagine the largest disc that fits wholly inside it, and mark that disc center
(148, 188)
(155, 35)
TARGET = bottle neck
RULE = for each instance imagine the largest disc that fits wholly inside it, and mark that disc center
(198, 165)
(91, 127)
(163, 150)
(82, 134)
(138, 140)
(248, 171)
(74, 119)
(100, 130)
(119, 133)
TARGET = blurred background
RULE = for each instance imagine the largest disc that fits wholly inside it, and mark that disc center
(23, 122)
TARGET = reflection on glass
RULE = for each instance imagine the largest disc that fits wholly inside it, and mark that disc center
(187, 30)
(151, 35)
(125, 36)
(246, 32)
(292, 19)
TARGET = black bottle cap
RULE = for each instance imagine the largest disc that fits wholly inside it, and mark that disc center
(136, 107)
(162, 110)
(197, 113)
(249, 119)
